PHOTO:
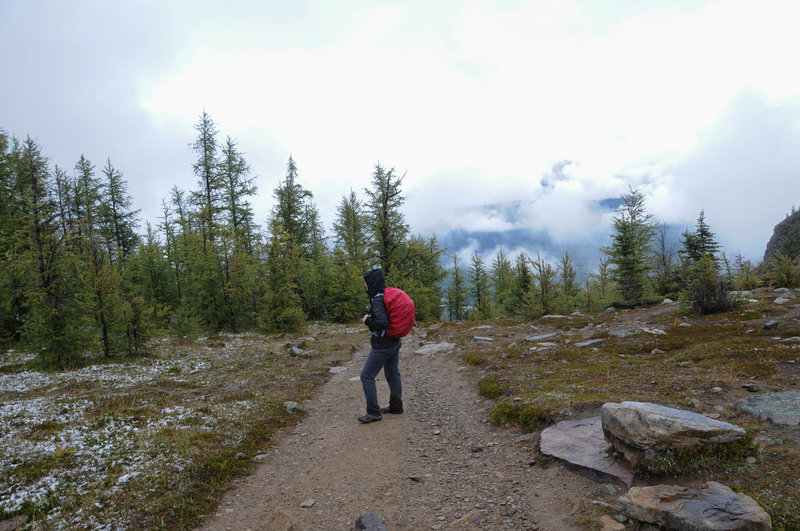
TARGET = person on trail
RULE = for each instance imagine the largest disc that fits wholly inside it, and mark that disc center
(385, 353)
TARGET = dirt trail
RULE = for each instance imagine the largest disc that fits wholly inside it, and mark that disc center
(437, 466)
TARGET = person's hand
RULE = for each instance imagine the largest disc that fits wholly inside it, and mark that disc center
(364, 319)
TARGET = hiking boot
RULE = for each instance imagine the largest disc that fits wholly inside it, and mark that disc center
(385, 410)
(366, 419)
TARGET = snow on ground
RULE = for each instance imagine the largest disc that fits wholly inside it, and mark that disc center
(56, 439)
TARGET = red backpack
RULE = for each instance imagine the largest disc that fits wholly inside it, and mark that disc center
(400, 309)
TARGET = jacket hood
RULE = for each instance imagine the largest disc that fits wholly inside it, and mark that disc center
(375, 282)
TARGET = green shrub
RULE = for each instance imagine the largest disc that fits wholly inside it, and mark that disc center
(490, 388)
(783, 273)
(707, 291)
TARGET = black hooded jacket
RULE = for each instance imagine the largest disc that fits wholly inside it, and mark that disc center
(378, 319)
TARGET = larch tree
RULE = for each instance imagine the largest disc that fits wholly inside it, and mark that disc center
(630, 249)
(388, 228)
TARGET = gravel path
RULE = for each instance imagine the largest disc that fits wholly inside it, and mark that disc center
(439, 465)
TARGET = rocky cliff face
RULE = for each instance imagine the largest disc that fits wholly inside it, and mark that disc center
(785, 238)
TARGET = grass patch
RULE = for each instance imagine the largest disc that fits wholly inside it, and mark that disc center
(529, 417)
(491, 388)
(704, 460)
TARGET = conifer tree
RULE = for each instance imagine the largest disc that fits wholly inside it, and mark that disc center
(350, 230)
(387, 222)
(502, 280)
(55, 327)
(629, 252)
(479, 286)
(205, 168)
(543, 295)
(118, 221)
(567, 282)
(521, 285)
(456, 292)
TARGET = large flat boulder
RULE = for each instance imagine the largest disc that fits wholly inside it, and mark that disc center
(641, 430)
(712, 506)
(780, 408)
(581, 445)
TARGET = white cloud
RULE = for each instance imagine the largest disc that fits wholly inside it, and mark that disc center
(476, 100)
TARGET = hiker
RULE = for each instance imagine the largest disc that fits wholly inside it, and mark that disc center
(385, 352)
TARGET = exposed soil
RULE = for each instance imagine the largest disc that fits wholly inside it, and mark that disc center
(438, 465)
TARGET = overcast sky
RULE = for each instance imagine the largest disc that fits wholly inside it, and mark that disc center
(479, 103)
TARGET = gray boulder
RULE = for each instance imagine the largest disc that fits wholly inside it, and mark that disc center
(713, 506)
(370, 522)
(581, 445)
(642, 431)
(780, 408)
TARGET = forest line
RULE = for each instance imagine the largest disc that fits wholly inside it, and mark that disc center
(77, 276)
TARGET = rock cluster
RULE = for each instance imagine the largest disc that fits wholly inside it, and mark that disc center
(642, 431)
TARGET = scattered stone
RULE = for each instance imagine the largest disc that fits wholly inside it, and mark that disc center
(684, 325)
(655, 331)
(479, 327)
(641, 430)
(780, 290)
(540, 337)
(667, 301)
(621, 333)
(713, 506)
(241, 455)
(580, 443)
(780, 408)
(292, 406)
(792, 339)
(308, 503)
(435, 348)
(14, 523)
(751, 460)
(753, 388)
(611, 489)
(609, 524)
(717, 390)
(511, 511)
(260, 457)
(780, 300)
(370, 522)
(555, 317)
(771, 325)
(656, 352)
(283, 521)
(337, 370)
(589, 342)
(479, 339)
